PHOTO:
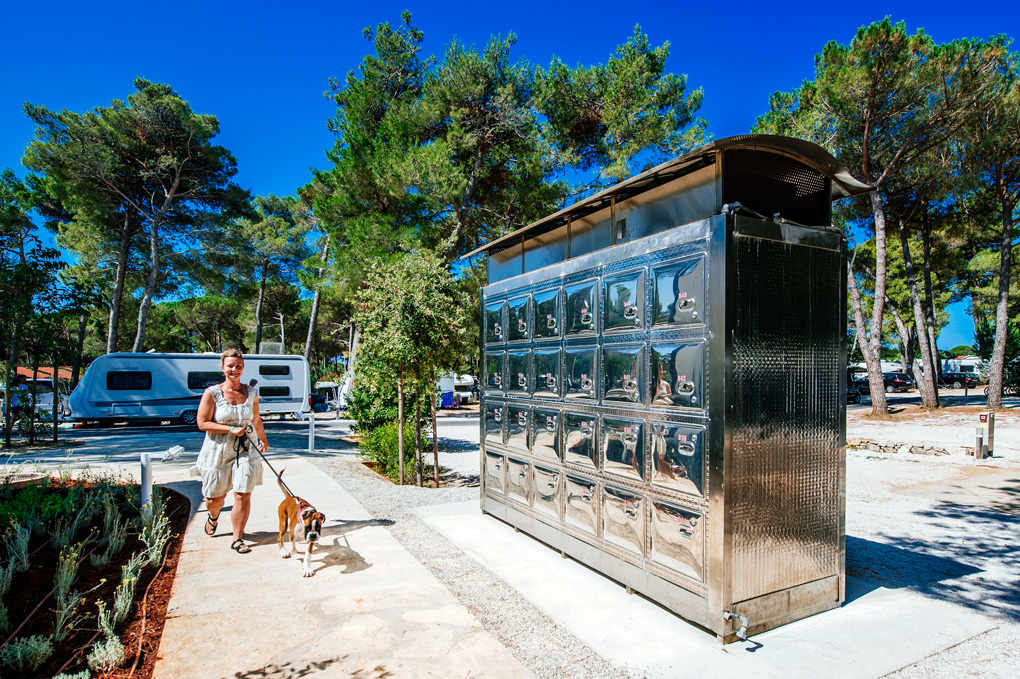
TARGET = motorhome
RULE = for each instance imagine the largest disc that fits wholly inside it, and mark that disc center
(43, 388)
(158, 387)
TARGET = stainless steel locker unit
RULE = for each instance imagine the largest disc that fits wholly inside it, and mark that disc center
(665, 387)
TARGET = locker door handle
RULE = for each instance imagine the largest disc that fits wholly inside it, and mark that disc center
(496, 379)
(630, 440)
(522, 381)
(497, 414)
(586, 318)
(551, 484)
(497, 331)
(685, 449)
(684, 387)
(586, 496)
(497, 465)
(524, 471)
(686, 304)
(522, 327)
(587, 384)
(551, 323)
(522, 418)
(550, 424)
(550, 383)
(630, 313)
(631, 510)
(586, 431)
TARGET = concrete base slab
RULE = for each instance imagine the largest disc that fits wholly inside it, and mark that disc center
(876, 632)
(370, 610)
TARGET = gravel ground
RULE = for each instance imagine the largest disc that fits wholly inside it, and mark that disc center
(945, 527)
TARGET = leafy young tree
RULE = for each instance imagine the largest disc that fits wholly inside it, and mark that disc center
(151, 161)
(408, 315)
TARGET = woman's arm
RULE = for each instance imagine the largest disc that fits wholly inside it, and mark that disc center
(256, 422)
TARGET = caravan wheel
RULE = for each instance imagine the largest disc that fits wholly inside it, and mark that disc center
(189, 417)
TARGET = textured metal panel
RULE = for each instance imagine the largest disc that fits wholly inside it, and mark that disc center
(519, 382)
(495, 326)
(678, 374)
(495, 473)
(495, 372)
(785, 466)
(494, 423)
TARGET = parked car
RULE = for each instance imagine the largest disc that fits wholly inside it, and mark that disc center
(959, 380)
(852, 395)
(897, 382)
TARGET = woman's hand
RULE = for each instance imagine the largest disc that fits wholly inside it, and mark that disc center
(239, 432)
(263, 446)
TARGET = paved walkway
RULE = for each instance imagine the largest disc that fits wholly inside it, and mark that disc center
(370, 610)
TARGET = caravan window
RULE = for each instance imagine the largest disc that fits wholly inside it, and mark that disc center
(198, 381)
(133, 380)
(274, 391)
(274, 369)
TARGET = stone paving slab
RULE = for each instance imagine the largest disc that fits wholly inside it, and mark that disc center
(876, 632)
(370, 610)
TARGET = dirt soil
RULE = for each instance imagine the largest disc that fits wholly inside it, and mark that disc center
(33, 589)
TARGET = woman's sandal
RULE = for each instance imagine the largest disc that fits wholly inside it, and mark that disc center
(210, 525)
(239, 547)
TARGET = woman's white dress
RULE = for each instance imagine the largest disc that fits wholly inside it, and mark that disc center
(220, 465)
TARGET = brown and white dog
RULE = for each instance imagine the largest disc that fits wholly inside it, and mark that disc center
(292, 512)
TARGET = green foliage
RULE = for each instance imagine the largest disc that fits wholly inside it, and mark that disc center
(16, 540)
(379, 446)
(372, 406)
(984, 340)
(124, 595)
(26, 654)
(108, 653)
(84, 674)
(958, 350)
(155, 533)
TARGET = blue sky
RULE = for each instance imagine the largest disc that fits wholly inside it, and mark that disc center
(262, 67)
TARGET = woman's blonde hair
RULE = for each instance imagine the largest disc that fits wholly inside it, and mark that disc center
(231, 353)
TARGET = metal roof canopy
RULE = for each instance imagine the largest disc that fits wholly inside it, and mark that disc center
(808, 153)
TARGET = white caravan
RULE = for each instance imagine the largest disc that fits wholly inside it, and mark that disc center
(156, 387)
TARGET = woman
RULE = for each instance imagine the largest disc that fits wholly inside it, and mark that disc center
(225, 462)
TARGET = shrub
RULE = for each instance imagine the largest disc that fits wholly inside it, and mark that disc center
(371, 408)
(106, 655)
(27, 653)
(380, 447)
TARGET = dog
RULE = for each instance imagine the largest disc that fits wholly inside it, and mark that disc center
(292, 512)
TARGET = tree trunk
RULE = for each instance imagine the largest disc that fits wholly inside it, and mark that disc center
(872, 359)
(79, 346)
(400, 430)
(929, 397)
(417, 437)
(33, 399)
(150, 286)
(873, 355)
(118, 286)
(929, 304)
(1001, 310)
(56, 397)
(435, 441)
(9, 371)
(258, 307)
(310, 339)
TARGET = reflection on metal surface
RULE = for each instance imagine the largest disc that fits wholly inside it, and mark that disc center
(545, 434)
(624, 302)
(623, 519)
(579, 430)
(580, 374)
(519, 363)
(495, 369)
(679, 374)
(678, 540)
(517, 429)
(547, 373)
(678, 457)
(494, 332)
(547, 492)
(623, 368)
(517, 480)
(623, 451)
(580, 316)
(494, 472)
(547, 314)
(518, 312)
(581, 508)
(494, 423)
(679, 294)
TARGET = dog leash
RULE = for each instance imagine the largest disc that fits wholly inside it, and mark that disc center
(246, 443)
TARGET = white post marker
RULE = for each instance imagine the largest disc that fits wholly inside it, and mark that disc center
(311, 431)
(146, 459)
